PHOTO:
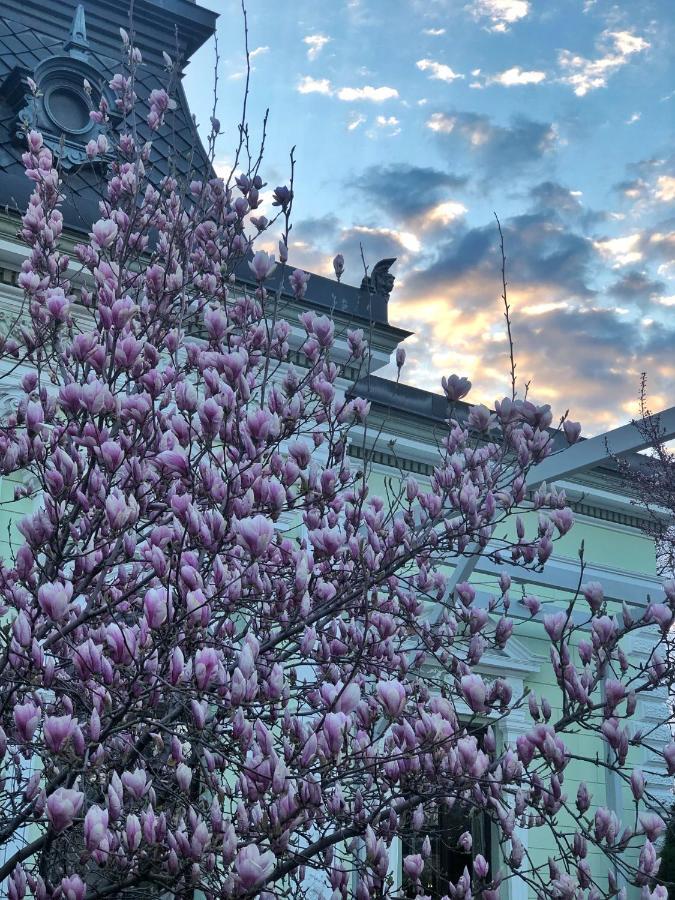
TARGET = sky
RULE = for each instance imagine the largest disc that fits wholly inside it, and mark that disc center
(414, 121)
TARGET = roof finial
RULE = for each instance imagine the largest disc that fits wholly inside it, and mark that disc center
(77, 44)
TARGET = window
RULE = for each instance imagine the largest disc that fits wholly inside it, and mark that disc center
(447, 861)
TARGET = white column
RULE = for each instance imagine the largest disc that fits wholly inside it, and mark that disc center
(396, 863)
(512, 727)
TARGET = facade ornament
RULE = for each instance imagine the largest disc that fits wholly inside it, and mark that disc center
(380, 281)
(77, 44)
(53, 100)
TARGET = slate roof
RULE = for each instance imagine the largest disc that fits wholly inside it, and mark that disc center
(32, 31)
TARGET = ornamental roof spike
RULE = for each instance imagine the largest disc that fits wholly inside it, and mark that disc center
(77, 44)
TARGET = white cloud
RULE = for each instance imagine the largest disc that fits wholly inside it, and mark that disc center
(437, 70)
(387, 121)
(239, 74)
(616, 49)
(222, 168)
(309, 85)
(476, 132)
(517, 76)
(622, 251)
(501, 13)
(316, 43)
(367, 92)
(406, 239)
(446, 212)
(634, 118)
(626, 42)
(355, 121)
(440, 123)
(665, 188)
(434, 32)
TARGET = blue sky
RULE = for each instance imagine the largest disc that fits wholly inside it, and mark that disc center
(414, 120)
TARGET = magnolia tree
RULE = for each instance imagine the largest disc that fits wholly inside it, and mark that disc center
(224, 662)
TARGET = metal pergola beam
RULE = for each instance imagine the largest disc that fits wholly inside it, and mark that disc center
(579, 457)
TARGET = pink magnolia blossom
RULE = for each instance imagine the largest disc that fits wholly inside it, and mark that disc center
(262, 265)
(555, 624)
(593, 592)
(183, 777)
(63, 806)
(455, 387)
(26, 717)
(474, 692)
(572, 431)
(298, 281)
(55, 598)
(254, 534)
(254, 867)
(57, 730)
(73, 888)
(136, 783)
(413, 866)
(392, 696)
(104, 233)
(155, 606)
(338, 265)
(95, 827)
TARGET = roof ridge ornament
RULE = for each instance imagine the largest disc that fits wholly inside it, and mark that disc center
(77, 44)
(380, 281)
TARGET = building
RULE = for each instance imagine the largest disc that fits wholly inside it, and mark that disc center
(58, 45)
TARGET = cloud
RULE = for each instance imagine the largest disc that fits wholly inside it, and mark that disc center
(448, 211)
(222, 167)
(517, 76)
(315, 43)
(584, 347)
(633, 189)
(498, 148)
(540, 250)
(439, 71)
(387, 122)
(377, 242)
(405, 240)
(632, 119)
(501, 13)
(637, 287)
(650, 184)
(355, 120)
(309, 85)
(239, 74)
(405, 191)
(315, 241)
(434, 32)
(316, 228)
(615, 48)
(374, 94)
(621, 251)
(665, 188)
(555, 199)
